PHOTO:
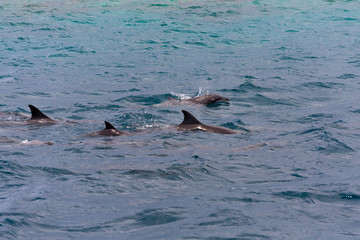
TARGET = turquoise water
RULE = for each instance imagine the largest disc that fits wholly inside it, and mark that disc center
(291, 69)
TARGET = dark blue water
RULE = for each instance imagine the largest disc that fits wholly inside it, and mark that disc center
(290, 68)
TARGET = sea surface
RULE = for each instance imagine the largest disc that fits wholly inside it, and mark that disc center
(292, 72)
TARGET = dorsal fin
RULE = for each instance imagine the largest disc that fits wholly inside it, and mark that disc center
(109, 125)
(189, 118)
(36, 114)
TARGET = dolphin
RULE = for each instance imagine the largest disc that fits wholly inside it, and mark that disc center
(109, 131)
(38, 117)
(192, 124)
(13, 141)
(208, 99)
(204, 100)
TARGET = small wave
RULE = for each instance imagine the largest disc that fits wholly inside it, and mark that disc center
(77, 49)
(311, 197)
(159, 5)
(144, 100)
(316, 117)
(7, 78)
(59, 55)
(226, 218)
(263, 100)
(10, 169)
(178, 172)
(196, 43)
(288, 58)
(335, 146)
(7, 140)
(151, 174)
(6, 117)
(87, 108)
(47, 29)
(356, 111)
(348, 76)
(80, 229)
(322, 85)
(55, 171)
(16, 24)
(327, 143)
(10, 221)
(305, 196)
(180, 29)
(138, 120)
(156, 216)
(204, 172)
(248, 87)
(239, 200)
(20, 63)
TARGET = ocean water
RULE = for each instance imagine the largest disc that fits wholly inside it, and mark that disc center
(292, 72)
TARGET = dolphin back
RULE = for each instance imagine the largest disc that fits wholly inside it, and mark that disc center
(109, 130)
(209, 99)
(191, 123)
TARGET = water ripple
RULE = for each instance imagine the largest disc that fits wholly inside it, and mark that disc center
(311, 197)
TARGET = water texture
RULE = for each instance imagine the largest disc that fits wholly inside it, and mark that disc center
(292, 72)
